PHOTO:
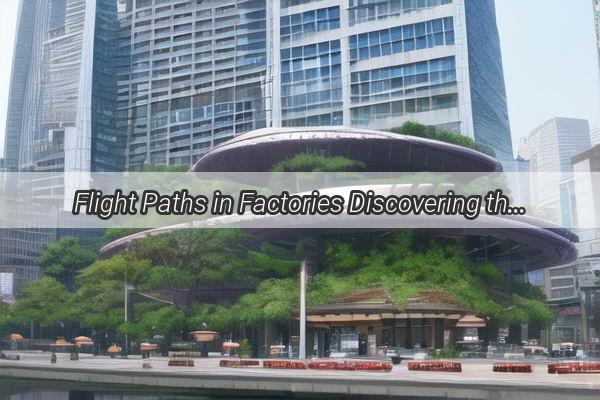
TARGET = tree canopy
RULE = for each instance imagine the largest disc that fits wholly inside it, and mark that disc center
(403, 263)
(397, 263)
(63, 259)
(412, 128)
(315, 162)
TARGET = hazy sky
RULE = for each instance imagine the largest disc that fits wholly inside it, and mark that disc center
(548, 46)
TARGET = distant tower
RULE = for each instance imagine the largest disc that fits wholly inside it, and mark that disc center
(597, 22)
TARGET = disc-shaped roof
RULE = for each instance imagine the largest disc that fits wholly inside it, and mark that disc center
(259, 150)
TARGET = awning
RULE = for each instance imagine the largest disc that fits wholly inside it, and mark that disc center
(470, 321)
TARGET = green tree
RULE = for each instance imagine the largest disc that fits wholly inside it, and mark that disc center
(154, 319)
(402, 263)
(206, 256)
(63, 259)
(45, 301)
(5, 318)
(113, 234)
(101, 293)
(160, 168)
(412, 128)
(315, 162)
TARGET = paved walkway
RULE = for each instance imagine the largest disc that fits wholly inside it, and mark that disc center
(477, 381)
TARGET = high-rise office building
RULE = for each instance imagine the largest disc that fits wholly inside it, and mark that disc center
(62, 104)
(596, 4)
(551, 146)
(197, 76)
(202, 72)
(61, 113)
(595, 136)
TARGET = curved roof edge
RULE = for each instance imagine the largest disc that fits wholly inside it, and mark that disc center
(258, 150)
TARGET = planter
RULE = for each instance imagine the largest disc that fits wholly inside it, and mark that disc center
(513, 367)
(284, 364)
(376, 366)
(435, 366)
(574, 368)
(239, 363)
(204, 336)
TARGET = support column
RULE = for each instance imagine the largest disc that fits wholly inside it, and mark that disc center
(302, 349)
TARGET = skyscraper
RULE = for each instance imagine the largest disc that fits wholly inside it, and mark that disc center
(63, 88)
(197, 77)
(597, 23)
(551, 146)
(203, 72)
(61, 112)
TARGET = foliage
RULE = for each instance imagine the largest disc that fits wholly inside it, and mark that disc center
(210, 256)
(101, 295)
(412, 128)
(160, 321)
(245, 350)
(113, 234)
(46, 301)
(160, 168)
(447, 352)
(402, 264)
(5, 318)
(63, 259)
(315, 162)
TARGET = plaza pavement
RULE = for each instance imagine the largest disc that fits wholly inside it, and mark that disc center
(477, 381)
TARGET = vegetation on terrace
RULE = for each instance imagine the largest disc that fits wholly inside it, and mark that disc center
(412, 128)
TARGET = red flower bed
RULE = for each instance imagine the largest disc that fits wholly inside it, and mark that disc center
(372, 365)
(323, 365)
(513, 367)
(574, 368)
(435, 366)
(351, 365)
(239, 363)
(284, 364)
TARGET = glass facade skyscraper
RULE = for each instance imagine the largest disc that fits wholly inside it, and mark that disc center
(114, 84)
(201, 72)
(63, 90)
(434, 61)
(62, 111)
(196, 77)
(596, 4)
(551, 146)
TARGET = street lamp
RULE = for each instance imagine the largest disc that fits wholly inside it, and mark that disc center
(302, 349)
(128, 288)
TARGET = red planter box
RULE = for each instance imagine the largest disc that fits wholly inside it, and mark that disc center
(284, 364)
(323, 365)
(371, 365)
(385, 366)
(239, 363)
(435, 366)
(181, 363)
(513, 367)
(574, 368)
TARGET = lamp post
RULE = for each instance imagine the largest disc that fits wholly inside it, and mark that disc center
(302, 349)
(128, 288)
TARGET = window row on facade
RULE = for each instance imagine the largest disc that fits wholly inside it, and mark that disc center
(425, 74)
(363, 116)
(295, 26)
(402, 39)
(371, 10)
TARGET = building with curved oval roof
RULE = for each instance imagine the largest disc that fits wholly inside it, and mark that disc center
(516, 246)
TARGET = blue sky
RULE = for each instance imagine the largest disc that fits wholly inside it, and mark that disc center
(548, 46)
